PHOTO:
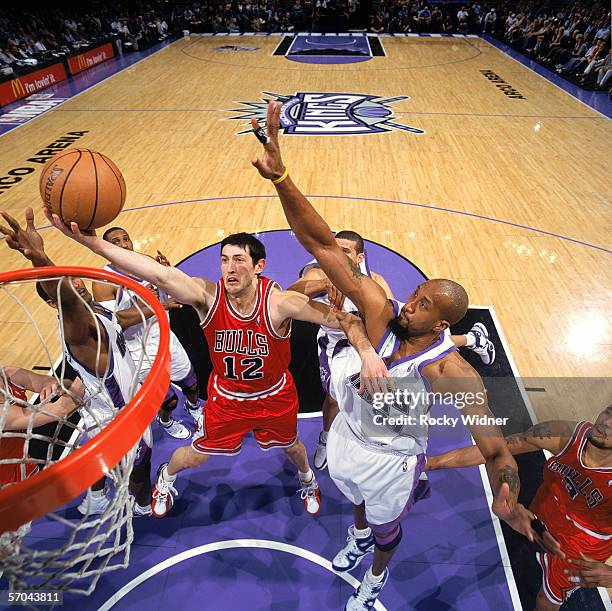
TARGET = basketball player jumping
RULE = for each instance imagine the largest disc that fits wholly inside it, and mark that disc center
(375, 464)
(574, 503)
(181, 373)
(246, 319)
(94, 346)
(314, 283)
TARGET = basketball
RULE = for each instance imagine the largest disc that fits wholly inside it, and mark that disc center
(84, 187)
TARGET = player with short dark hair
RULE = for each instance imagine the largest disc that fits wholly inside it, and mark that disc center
(314, 283)
(574, 503)
(246, 319)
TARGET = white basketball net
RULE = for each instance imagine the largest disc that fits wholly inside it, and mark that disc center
(63, 550)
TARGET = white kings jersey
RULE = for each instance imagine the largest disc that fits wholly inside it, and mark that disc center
(397, 425)
(326, 337)
(134, 335)
(110, 390)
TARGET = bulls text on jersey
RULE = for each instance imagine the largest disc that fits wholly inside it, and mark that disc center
(576, 483)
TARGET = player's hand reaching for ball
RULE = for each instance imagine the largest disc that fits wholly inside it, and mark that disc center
(270, 164)
(87, 238)
(27, 241)
(162, 259)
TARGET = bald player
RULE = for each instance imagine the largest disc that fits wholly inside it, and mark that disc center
(375, 463)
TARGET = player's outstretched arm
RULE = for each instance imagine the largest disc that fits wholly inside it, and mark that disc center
(289, 304)
(19, 417)
(197, 292)
(551, 435)
(459, 379)
(315, 235)
(78, 323)
(374, 375)
(312, 283)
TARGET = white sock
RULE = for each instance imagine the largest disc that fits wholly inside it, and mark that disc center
(143, 507)
(166, 476)
(470, 340)
(371, 578)
(323, 437)
(362, 533)
(307, 477)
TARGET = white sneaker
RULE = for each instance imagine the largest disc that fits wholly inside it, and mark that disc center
(195, 411)
(93, 505)
(139, 512)
(311, 497)
(483, 347)
(174, 428)
(320, 456)
(353, 552)
(161, 496)
(364, 597)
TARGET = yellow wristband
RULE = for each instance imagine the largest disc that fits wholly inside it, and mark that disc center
(281, 178)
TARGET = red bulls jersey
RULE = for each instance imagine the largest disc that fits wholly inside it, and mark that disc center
(249, 357)
(12, 447)
(575, 498)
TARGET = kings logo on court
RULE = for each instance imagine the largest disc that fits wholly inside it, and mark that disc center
(328, 114)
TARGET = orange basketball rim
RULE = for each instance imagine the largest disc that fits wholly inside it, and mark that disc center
(58, 484)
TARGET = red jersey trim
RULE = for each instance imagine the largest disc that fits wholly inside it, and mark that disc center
(268, 317)
(581, 450)
(213, 308)
(571, 440)
(254, 311)
(241, 396)
(588, 531)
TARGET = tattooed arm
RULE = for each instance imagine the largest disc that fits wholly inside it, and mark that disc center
(551, 435)
(454, 376)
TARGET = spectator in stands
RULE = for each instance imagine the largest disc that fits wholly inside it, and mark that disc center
(489, 22)
(604, 73)
(448, 27)
(423, 19)
(577, 64)
(377, 23)
(436, 19)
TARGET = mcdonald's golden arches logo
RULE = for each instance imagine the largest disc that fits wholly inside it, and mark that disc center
(18, 89)
(81, 62)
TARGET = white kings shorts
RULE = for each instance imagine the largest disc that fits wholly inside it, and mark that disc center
(386, 482)
(180, 365)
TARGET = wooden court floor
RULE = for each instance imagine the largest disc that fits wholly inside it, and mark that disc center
(539, 163)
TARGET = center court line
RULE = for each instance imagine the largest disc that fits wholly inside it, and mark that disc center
(376, 200)
(399, 112)
(231, 544)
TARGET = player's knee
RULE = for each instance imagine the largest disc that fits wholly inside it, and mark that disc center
(387, 541)
(294, 450)
(192, 389)
(170, 402)
(194, 459)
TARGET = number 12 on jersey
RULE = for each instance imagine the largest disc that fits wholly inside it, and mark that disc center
(250, 368)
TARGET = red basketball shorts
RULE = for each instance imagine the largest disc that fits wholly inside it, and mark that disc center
(573, 540)
(224, 423)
